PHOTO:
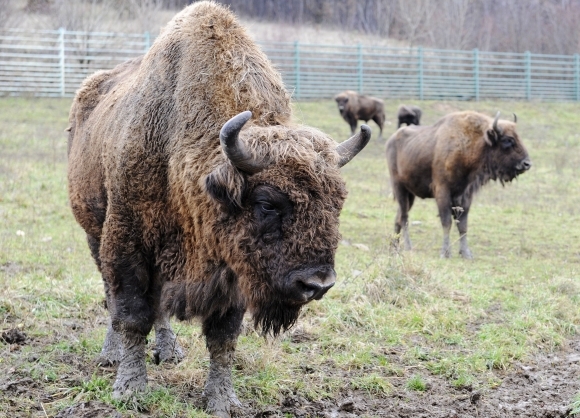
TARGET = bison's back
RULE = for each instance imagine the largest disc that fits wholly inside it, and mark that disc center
(369, 107)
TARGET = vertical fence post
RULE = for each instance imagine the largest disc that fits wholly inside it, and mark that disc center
(420, 52)
(360, 69)
(147, 41)
(476, 73)
(577, 77)
(61, 32)
(297, 69)
(528, 75)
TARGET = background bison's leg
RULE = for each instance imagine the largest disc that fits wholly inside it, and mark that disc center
(353, 122)
(405, 200)
(444, 205)
(166, 346)
(221, 332)
(380, 120)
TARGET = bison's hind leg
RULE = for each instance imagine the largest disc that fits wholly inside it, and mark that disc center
(380, 121)
(112, 350)
(167, 348)
(405, 200)
(444, 205)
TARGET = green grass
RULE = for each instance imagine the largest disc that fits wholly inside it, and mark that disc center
(416, 383)
(392, 317)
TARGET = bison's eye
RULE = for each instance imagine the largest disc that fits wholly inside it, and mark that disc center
(267, 208)
(507, 142)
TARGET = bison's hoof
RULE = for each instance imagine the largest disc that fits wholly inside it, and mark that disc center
(167, 349)
(445, 253)
(466, 254)
(234, 401)
(218, 408)
(125, 388)
(219, 405)
(172, 355)
(106, 361)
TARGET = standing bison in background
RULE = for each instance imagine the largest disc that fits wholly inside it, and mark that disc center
(354, 107)
(411, 115)
(195, 207)
(450, 161)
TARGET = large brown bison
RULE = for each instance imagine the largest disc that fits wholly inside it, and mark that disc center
(450, 161)
(194, 206)
(354, 107)
(409, 115)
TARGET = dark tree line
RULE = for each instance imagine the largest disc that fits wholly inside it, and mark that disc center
(542, 26)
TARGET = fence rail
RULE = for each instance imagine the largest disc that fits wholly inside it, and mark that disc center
(53, 63)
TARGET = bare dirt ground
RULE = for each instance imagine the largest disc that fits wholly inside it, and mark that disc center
(543, 387)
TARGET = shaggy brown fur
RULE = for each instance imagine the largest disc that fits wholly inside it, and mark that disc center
(450, 161)
(172, 223)
(354, 107)
(409, 115)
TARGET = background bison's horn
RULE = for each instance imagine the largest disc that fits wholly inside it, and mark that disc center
(495, 126)
(515, 118)
(234, 148)
(352, 146)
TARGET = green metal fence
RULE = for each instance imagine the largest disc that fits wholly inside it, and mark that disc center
(315, 71)
(53, 63)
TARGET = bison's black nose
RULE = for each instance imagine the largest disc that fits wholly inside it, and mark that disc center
(524, 165)
(311, 284)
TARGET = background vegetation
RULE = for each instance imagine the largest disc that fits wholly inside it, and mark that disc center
(393, 318)
(540, 26)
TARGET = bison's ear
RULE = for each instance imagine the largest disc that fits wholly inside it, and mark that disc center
(491, 137)
(226, 185)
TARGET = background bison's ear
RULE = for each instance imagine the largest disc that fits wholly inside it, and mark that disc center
(491, 137)
(226, 185)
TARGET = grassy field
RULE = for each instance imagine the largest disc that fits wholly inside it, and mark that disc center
(452, 318)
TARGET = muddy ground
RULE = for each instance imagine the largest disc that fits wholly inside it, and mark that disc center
(544, 387)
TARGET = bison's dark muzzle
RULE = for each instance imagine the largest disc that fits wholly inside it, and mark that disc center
(311, 283)
(525, 165)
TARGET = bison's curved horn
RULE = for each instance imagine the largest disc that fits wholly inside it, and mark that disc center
(515, 118)
(495, 126)
(236, 149)
(352, 146)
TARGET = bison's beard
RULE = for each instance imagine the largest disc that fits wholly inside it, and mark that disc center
(275, 316)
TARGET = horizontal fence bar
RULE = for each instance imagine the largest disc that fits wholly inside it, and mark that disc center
(54, 63)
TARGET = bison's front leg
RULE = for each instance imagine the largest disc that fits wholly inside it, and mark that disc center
(221, 332)
(132, 372)
(461, 216)
(444, 205)
(132, 299)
